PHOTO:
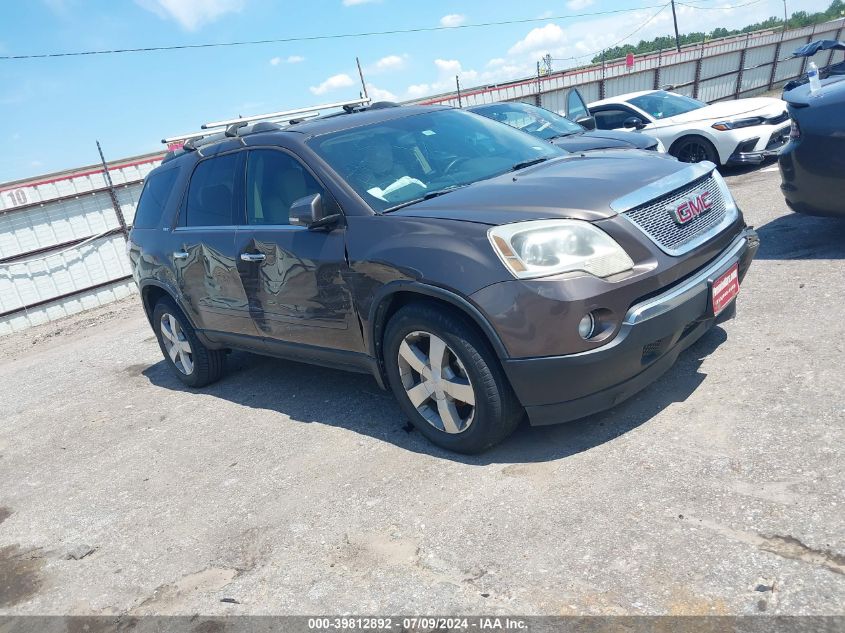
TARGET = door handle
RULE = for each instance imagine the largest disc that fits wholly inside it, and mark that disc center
(253, 257)
(180, 255)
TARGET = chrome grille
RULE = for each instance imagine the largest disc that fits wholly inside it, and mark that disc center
(655, 220)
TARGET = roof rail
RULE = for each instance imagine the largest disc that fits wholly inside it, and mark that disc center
(232, 126)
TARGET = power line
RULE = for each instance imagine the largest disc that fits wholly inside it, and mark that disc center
(722, 8)
(612, 46)
(311, 38)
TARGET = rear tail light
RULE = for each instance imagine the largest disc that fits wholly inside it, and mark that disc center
(794, 131)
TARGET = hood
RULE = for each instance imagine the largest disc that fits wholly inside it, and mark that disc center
(577, 187)
(603, 139)
(740, 108)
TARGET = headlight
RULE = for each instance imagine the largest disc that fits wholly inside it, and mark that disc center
(724, 126)
(547, 247)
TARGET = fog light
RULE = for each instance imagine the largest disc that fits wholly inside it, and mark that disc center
(586, 326)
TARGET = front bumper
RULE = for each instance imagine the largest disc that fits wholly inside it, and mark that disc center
(755, 150)
(654, 332)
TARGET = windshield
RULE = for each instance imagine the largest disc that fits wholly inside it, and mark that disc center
(536, 121)
(396, 162)
(662, 104)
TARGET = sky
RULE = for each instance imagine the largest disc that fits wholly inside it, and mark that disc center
(53, 110)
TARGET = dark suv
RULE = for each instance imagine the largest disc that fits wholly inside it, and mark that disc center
(477, 272)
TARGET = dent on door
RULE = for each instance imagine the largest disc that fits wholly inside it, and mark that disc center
(209, 282)
(297, 293)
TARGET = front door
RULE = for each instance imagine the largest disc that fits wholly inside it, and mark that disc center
(204, 251)
(295, 278)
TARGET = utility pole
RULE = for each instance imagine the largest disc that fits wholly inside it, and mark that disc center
(118, 212)
(785, 19)
(458, 85)
(675, 20)
(364, 94)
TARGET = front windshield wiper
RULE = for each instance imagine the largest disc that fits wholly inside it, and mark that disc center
(427, 196)
(562, 134)
(528, 163)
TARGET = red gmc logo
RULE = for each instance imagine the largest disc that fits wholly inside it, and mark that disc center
(691, 207)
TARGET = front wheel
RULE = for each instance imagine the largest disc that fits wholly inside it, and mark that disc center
(694, 149)
(447, 380)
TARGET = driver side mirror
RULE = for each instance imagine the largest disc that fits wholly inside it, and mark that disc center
(309, 212)
(588, 122)
(633, 123)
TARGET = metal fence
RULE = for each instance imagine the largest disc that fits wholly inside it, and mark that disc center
(729, 68)
(62, 246)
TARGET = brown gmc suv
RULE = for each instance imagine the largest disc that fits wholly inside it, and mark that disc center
(480, 274)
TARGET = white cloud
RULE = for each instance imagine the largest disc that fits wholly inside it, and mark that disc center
(191, 14)
(291, 59)
(418, 90)
(453, 19)
(379, 94)
(352, 3)
(450, 66)
(496, 61)
(334, 82)
(577, 5)
(538, 39)
(391, 62)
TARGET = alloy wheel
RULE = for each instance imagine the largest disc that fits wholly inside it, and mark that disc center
(692, 152)
(176, 344)
(436, 382)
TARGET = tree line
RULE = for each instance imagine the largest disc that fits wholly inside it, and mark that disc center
(797, 20)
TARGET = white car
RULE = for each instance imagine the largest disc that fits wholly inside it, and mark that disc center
(727, 132)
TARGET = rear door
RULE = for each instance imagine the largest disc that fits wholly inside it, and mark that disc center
(295, 278)
(204, 252)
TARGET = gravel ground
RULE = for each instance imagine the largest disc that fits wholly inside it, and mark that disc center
(297, 489)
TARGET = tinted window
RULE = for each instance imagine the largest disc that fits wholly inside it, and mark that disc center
(402, 160)
(536, 121)
(662, 104)
(156, 191)
(274, 181)
(211, 195)
(612, 118)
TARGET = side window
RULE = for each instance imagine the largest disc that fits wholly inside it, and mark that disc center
(156, 191)
(212, 193)
(612, 118)
(274, 181)
(575, 106)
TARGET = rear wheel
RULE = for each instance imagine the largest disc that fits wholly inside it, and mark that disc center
(447, 380)
(191, 361)
(694, 149)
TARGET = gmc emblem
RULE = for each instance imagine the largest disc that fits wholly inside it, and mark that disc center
(690, 207)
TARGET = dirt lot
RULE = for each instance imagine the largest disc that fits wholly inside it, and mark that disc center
(296, 489)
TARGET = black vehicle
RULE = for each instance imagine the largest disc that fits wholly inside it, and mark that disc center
(812, 164)
(477, 273)
(559, 130)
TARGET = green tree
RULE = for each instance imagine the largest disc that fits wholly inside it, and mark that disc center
(667, 42)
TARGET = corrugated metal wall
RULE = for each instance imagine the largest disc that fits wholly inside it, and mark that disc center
(739, 66)
(62, 249)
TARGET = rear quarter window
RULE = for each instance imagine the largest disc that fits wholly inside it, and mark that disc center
(156, 192)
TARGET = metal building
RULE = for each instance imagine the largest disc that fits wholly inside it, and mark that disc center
(62, 245)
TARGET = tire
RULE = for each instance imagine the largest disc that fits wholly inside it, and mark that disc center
(694, 149)
(193, 363)
(469, 368)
